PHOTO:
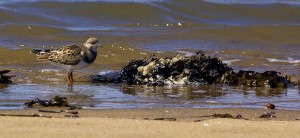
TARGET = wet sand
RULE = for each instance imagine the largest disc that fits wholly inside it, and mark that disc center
(163, 122)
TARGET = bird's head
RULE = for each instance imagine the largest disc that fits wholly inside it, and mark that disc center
(91, 43)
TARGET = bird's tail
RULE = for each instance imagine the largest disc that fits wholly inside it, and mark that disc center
(40, 51)
(41, 54)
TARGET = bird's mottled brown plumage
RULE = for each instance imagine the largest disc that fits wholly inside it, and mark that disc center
(67, 55)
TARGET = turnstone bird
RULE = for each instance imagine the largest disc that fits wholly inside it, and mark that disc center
(71, 57)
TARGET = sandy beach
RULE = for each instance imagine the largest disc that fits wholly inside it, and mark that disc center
(162, 122)
(165, 68)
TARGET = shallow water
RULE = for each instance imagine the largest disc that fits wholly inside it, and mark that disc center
(99, 96)
(248, 35)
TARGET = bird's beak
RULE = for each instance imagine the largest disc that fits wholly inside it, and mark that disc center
(99, 45)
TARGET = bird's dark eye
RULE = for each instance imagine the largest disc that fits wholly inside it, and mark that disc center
(94, 42)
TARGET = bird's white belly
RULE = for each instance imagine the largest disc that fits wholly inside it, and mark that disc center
(70, 68)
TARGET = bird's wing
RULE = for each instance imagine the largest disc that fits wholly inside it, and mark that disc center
(67, 55)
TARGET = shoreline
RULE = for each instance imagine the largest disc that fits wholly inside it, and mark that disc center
(171, 114)
(155, 122)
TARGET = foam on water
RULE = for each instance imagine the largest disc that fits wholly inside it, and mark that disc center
(49, 70)
(185, 53)
(289, 60)
(106, 72)
(228, 62)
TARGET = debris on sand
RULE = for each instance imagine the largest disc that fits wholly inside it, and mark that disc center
(162, 118)
(196, 69)
(33, 115)
(226, 115)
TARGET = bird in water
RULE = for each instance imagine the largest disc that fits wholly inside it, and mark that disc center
(71, 57)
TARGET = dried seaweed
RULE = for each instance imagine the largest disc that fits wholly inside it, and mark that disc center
(226, 115)
(5, 78)
(268, 115)
(197, 69)
(57, 101)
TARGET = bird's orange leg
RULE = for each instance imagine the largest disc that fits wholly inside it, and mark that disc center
(70, 79)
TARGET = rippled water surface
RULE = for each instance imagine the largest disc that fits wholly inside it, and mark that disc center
(249, 35)
(120, 96)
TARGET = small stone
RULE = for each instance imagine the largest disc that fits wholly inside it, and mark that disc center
(205, 124)
(270, 106)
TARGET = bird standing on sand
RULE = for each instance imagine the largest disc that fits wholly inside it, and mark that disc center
(71, 57)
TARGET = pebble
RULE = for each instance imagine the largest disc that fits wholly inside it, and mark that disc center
(270, 106)
(205, 124)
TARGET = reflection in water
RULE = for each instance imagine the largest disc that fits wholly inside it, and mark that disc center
(269, 92)
(214, 96)
(198, 92)
(179, 92)
(2, 86)
(262, 91)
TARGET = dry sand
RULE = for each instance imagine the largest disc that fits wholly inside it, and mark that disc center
(149, 123)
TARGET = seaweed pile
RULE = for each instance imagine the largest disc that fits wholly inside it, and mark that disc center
(197, 69)
(5, 78)
(256, 79)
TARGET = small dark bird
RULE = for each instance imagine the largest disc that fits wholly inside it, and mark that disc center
(71, 57)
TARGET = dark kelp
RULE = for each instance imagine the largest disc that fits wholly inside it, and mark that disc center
(5, 78)
(197, 69)
(268, 115)
(255, 79)
(57, 101)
